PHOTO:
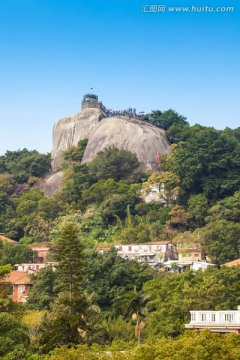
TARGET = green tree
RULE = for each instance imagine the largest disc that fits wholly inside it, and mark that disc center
(77, 179)
(42, 293)
(5, 302)
(168, 186)
(116, 164)
(197, 209)
(7, 215)
(226, 209)
(73, 155)
(15, 254)
(207, 163)
(221, 240)
(110, 276)
(132, 304)
(69, 254)
(178, 219)
(24, 163)
(91, 319)
(166, 119)
(58, 329)
(14, 339)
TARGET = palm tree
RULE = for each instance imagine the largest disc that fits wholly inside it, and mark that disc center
(90, 318)
(132, 303)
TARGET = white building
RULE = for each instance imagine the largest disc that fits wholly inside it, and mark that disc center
(181, 266)
(156, 193)
(217, 321)
(153, 253)
(32, 268)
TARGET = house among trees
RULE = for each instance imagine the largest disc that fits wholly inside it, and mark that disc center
(20, 284)
(153, 253)
(42, 250)
(193, 253)
(217, 321)
(32, 268)
(180, 266)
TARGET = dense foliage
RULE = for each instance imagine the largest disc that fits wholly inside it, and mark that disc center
(95, 302)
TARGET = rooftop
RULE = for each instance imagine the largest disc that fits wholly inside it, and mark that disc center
(4, 238)
(18, 277)
(233, 263)
(39, 246)
(149, 243)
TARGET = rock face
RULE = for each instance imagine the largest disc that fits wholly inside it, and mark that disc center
(148, 142)
(145, 140)
(52, 184)
(68, 132)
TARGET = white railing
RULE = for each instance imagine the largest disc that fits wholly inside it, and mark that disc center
(215, 317)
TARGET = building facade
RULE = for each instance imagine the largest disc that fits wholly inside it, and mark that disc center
(20, 284)
(217, 321)
(154, 253)
(42, 249)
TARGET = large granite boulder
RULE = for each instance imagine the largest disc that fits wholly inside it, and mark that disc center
(147, 141)
(53, 183)
(68, 132)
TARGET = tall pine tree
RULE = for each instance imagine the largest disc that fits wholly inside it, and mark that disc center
(69, 254)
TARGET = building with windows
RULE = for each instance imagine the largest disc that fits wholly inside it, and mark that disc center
(154, 253)
(20, 284)
(180, 266)
(32, 268)
(41, 249)
(217, 321)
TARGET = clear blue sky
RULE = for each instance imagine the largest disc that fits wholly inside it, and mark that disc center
(52, 51)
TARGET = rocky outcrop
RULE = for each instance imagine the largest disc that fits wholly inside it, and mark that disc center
(52, 184)
(145, 140)
(68, 132)
(137, 136)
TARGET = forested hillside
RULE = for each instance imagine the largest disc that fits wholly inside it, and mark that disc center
(97, 301)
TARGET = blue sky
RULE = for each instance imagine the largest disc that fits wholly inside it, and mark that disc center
(52, 51)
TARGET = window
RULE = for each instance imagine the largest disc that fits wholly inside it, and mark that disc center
(193, 317)
(203, 317)
(213, 317)
(229, 317)
(120, 248)
(10, 290)
(21, 289)
(129, 248)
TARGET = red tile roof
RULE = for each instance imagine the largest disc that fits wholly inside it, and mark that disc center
(149, 243)
(39, 246)
(4, 238)
(18, 277)
(233, 263)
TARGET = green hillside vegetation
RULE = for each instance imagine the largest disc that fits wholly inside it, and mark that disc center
(93, 302)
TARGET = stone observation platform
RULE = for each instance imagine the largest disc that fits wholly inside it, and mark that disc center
(90, 101)
(217, 321)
